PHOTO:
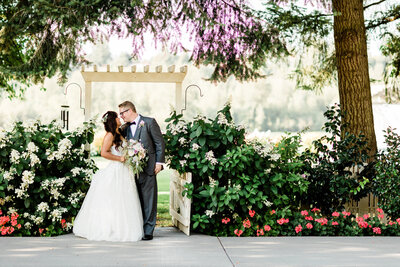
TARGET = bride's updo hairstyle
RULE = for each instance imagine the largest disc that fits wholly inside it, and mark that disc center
(110, 125)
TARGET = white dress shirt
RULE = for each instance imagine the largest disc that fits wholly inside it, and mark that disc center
(134, 126)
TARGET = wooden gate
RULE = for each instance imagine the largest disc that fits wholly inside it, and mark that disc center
(179, 206)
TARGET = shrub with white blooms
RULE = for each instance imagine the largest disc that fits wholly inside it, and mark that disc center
(44, 176)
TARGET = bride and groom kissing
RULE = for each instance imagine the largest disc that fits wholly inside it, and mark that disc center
(117, 206)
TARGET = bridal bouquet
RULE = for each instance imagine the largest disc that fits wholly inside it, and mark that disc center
(135, 155)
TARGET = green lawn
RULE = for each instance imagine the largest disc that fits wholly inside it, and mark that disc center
(163, 217)
(163, 180)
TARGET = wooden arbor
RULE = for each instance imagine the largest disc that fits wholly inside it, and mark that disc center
(179, 205)
(158, 76)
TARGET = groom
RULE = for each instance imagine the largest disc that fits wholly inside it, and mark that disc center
(147, 131)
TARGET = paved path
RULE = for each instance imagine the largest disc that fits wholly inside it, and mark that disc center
(173, 248)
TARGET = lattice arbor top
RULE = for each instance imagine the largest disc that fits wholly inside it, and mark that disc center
(130, 74)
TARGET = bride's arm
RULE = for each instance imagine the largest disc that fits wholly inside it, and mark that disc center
(106, 149)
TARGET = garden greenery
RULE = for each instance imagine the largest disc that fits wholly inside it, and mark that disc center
(257, 187)
(386, 185)
(44, 175)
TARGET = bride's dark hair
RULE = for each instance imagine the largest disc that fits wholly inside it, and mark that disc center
(110, 125)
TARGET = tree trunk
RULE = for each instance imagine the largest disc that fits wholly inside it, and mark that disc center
(352, 65)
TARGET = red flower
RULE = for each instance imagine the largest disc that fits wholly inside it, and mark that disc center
(322, 221)
(14, 222)
(380, 216)
(366, 216)
(304, 212)
(345, 214)
(315, 210)
(252, 213)
(226, 220)
(4, 230)
(391, 223)
(309, 226)
(335, 214)
(1, 212)
(260, 232)
(272, 212)
(398, 220)
(376, 230)
(359, 219)
(10, 230)
(41, 230)
(19, 226)
(247, 223)
(238, 232)
(363, 224)
(379, 210)
(335, 223)
(14, 216)
(282, 221)
(298, 228)
(4, 220)
(308, 218)
(267, 228)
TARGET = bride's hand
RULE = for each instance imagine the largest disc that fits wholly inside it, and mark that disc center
(122, 159)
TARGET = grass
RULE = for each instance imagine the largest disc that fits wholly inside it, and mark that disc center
(163, 217)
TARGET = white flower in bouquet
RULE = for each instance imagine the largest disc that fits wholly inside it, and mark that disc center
(136, 156)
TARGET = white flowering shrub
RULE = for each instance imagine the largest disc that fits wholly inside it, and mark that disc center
(233, 176)
(44, 175)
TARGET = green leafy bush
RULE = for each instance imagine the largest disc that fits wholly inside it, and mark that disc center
(336, 166)
(231, 175)
(44, 175)
(386, 185)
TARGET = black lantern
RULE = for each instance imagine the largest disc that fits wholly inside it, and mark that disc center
(65, 116)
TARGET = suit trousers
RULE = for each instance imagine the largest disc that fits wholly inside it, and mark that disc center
(147, 189)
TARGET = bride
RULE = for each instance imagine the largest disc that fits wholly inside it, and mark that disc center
(111, 210)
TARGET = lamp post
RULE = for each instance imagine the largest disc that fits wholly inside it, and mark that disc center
(65, 116)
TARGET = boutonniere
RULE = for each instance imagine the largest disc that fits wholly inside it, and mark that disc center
(141, 124)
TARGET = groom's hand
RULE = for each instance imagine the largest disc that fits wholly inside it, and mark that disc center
(158, 168)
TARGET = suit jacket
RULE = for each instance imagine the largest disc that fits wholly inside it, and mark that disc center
(149, 134)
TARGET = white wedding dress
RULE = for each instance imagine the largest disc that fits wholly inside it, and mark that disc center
(111, 210)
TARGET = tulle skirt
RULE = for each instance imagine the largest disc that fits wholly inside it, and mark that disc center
(111, 210)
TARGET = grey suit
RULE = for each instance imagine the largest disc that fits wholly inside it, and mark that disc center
(149, 134)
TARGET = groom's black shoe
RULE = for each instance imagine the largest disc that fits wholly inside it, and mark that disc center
(147, 237)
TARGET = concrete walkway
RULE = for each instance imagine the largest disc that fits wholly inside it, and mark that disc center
(173, 248)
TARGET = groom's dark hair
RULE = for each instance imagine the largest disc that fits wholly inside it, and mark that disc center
(127, 104)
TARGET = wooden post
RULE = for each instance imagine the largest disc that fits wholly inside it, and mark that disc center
(88, 100)
(178, 97)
